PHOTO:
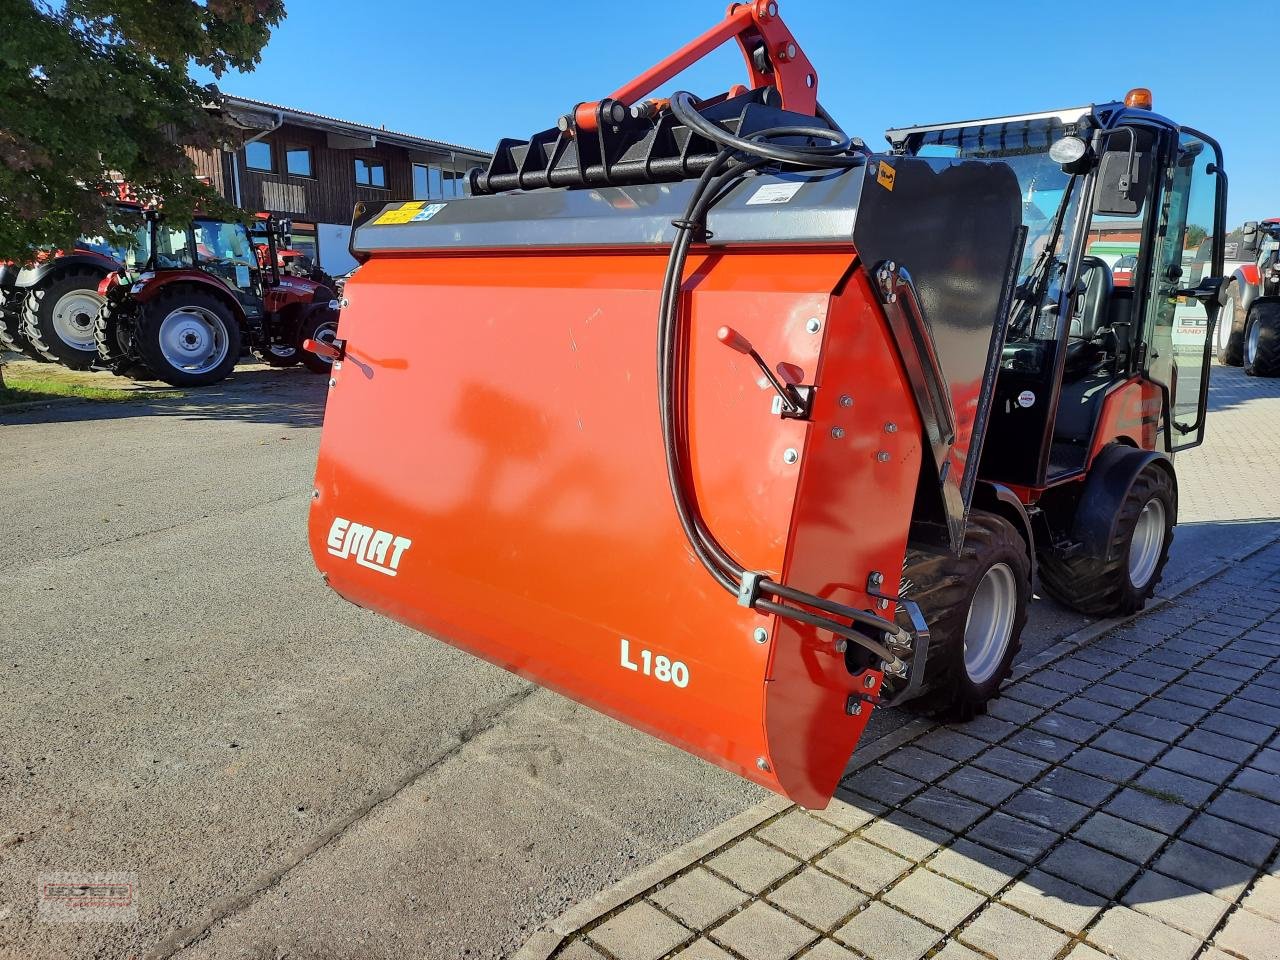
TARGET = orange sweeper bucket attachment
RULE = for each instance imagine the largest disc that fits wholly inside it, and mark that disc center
(552, 439)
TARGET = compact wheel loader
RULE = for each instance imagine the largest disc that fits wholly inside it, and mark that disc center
(703, 414)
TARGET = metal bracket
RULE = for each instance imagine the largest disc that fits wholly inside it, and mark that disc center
(749, 591)
(919, 647)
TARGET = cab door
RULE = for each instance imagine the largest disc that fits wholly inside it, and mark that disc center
(1182, 304)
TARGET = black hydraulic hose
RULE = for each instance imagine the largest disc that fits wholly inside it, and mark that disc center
(837, 153)
(726, 570)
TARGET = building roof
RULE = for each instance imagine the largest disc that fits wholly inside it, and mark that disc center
(239, 107)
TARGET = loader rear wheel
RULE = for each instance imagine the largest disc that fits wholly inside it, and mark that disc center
(12, 337)
(1121, 582)
(189, 338)
(58, 317)
(320, 324)
(976, 607)
(1262, 340)
(1229, 336)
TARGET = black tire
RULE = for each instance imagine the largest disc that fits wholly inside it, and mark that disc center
(198, 313)
(1229, 336)
(114, 338)
(13, 339)
(272, 358)
(1102, 587)
(945, 587)
(319, 323)
(1262, 340)
(66, 296)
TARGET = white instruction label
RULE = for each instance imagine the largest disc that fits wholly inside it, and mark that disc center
(775, 193)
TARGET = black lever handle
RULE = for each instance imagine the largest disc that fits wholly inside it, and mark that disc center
(792, 401)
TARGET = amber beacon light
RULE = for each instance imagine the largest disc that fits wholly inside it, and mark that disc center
(1139, 98)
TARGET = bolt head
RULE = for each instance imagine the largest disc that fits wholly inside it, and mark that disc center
(315, 494)
(841, 645)
(846, 401)
(837, 432)
(869, 682)
(883, 456)
(877, 578)
(760, 635)
(762, 764)
(814, 325)
(891, 427)
(790, 455)
(854, 708)
(883, 604)
(333, 382)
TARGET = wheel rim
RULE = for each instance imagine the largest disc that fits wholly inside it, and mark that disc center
(193, 340)
(1226, 320)
(73, 318)
(1147, 543)
(325, 333)
(989, 626)
(282, 351)
(1251, 343)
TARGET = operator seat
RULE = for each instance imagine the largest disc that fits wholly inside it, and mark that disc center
(1089, 319)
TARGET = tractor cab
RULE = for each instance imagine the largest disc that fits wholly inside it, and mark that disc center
(1109, 333)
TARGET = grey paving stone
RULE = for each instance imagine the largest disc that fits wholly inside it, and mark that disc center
(1250, 811)
(883, 933)
(1114, 696)
(752, 865)
(1173, 658)
(1033, 693)
(849, 816)
(1059, 680)
(1011, 765)
(1157, 728)
(830, 950)
(1188, 790)
(918, 763)
(865, 865)
(1257, 712)
(1089, 868)
(1268, 761)
(955, 950)
(1251, 936)
(1063, 725)
(1055, 813)
(1054, 901)
(1040, 745)
(937, 901)
(1264, 898)
(1171, 710)
(1008, 935)
(1077, 786)
(1084, 669)
(1155, 670)
(1012, 836)
(1222, 686)
(817, 898)
(1258, 783)
(907, 836)
(986, 727)
(801, 835)
(1099, 763)
(1120, 837)
(699, 898)
(1149, 811)
(1138, 683)
(1210, 769)
(1175, 903)
(1195, 696)
(1014, 711)
(1087, 709)
(580, 950)
(1082, 951)
(951, 743)
(1130, 935)
(976, 866)
(1229, 839)
(1216, 745)
(885, 785)
(640, 932)
(945, 809)
(761, 932)
(1204, 870)
(1238, 728)
(702, 949)
(1130, 745)
(979, 785)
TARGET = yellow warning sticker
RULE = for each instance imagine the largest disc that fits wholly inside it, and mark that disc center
(885, 175)
(401, 214)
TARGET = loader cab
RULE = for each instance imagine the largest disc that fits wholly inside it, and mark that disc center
(1119, 205)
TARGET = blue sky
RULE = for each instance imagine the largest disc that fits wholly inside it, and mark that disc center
(472, 73)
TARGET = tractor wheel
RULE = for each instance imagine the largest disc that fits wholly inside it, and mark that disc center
(1262, 340)
(12, 337)
(278, 355)
(1121, 582)
(188, 337)
(115, 346)
(976, 607)
(319, 324)
(1229, 335)
(58, 317)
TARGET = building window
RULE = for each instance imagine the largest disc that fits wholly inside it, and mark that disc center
(297, 161)
(257, 156)
(371, 173)
(432, 182)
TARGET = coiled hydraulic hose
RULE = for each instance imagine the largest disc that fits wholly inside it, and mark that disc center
(737, 157)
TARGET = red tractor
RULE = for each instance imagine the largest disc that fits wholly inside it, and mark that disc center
(203, 296)
(48, 308)
(1249, 329)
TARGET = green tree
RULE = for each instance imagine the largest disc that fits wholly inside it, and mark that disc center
(93, 92)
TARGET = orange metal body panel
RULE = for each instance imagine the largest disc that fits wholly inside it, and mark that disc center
(1131, 413)
(499, 414)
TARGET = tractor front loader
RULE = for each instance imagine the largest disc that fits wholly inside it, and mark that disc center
(696, 411)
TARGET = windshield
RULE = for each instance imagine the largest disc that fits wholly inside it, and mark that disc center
(127, 243)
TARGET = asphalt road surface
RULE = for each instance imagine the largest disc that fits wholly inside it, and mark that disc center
(286, 775)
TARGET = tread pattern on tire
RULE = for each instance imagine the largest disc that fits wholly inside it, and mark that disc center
(1267, 361)
(943, 586)
(31, 316)
(1096, 586)
(1231, 354)
(111, 354)
(12, 338)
